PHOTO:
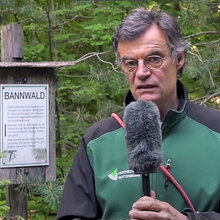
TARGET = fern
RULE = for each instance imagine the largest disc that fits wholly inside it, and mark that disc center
(51, 192)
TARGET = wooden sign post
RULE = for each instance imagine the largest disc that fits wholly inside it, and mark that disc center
(27, 97)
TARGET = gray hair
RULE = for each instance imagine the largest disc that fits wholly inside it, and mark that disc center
(140, 20)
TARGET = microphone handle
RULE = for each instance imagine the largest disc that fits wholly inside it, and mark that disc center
(146, 184)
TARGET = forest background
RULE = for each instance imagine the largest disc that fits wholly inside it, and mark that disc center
(68, 30)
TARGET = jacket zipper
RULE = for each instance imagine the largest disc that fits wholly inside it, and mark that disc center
(168, 167)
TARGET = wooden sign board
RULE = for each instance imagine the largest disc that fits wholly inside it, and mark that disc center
(37, 143)
(30, 144)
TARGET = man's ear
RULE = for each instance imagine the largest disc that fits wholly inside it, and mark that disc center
(180, 61)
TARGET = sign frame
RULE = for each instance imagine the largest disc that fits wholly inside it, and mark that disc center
(40, 94)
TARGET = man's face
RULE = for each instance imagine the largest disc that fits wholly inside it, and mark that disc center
(155, 84)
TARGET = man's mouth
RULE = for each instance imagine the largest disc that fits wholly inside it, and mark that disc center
(148, 86)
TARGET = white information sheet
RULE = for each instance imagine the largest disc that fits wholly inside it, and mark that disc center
(24, 125)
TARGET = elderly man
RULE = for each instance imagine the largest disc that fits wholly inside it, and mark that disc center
(151, 52)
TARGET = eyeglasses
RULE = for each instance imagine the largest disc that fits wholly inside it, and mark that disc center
(150, 62)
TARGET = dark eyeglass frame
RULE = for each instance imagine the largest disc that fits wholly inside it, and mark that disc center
(151, 62)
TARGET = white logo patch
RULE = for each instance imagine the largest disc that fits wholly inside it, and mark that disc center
(124, 174)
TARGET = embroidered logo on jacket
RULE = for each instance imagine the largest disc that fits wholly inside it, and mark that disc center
(117, 175)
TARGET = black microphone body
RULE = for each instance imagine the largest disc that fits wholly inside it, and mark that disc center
(143, 139)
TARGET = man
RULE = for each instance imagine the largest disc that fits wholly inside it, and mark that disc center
(151, 52)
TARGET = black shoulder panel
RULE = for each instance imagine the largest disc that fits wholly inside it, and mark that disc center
(204, 115)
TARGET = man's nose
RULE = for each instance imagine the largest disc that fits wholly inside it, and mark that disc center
(142, 71)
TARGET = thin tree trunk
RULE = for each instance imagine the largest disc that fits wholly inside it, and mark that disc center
(49, 30)
(54, 31)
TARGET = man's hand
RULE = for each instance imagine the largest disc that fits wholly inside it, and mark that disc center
(152, 209)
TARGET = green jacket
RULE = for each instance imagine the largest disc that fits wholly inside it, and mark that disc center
(100, 185)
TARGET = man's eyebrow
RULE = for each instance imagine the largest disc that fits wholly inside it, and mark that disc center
(155, 52)
(127, 58)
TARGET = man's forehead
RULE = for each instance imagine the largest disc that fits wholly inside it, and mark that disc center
(152, 31)
(153, 37)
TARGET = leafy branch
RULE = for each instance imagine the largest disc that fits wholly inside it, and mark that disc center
(208, 42)
(209, 97)
(201, 33)
(58, 64)
(50, 191)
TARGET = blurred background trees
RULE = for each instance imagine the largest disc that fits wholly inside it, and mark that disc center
(66, 30)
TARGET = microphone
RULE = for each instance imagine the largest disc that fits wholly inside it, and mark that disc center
(143, 139)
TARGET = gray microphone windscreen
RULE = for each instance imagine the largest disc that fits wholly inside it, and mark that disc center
(143, 136)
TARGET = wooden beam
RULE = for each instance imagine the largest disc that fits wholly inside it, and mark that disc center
(12, 38)
(49, 64)
(17, 203)
(13, 50)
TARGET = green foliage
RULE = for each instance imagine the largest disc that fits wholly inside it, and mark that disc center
(3, 207)
(43, 197)
(202, 74)
(38, 210)
(50, 192)
(18, 217)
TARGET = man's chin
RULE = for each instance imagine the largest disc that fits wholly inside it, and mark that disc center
(146, 97)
